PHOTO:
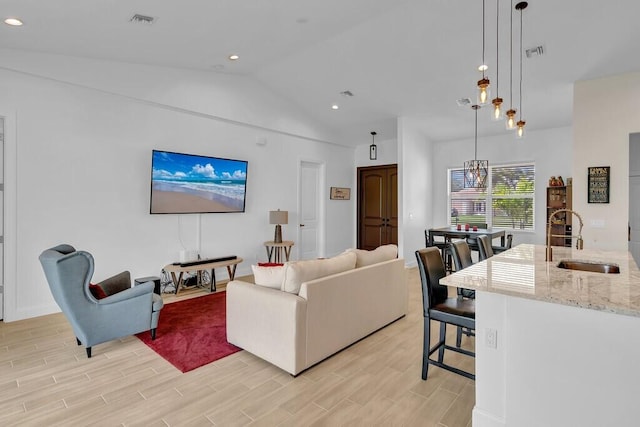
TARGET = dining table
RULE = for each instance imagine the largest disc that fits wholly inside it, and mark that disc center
(452, 231)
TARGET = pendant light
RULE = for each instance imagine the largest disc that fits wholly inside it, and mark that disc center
(521, 123)
(497, 101)
(373, 148)
(475, 171)
(511, 113)
(483, 83)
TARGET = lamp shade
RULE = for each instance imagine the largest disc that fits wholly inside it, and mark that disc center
(278, 217)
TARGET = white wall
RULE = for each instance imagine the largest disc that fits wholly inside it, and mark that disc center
(417, 186)
(82, 162)
(605, 112)
(387, 153)
(550, 150)
(554, 365)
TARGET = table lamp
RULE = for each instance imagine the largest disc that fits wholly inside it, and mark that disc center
(278, 217)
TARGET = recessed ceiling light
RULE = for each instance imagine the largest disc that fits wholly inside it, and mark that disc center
(483, 67)
(14, 22)
(234, 57)
(335, 106)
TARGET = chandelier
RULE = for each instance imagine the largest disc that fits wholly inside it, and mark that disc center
(475, 171)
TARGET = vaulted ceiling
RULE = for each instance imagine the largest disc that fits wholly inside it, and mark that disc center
(411, 58)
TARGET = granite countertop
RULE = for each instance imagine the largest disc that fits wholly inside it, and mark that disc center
(523, 272)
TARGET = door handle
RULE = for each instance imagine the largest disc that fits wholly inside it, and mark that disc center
(301, 225)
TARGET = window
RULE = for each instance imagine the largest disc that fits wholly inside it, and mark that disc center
(509, 203)
(468, 205)
(512, 190)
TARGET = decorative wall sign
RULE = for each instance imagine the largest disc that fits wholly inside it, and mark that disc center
(598, 184)
(340, 193)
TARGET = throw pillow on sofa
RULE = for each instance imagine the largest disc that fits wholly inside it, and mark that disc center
(270, 276)
(97, 291)
(379, 254)
(298, 272)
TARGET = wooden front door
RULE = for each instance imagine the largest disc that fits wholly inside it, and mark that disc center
(377, 206)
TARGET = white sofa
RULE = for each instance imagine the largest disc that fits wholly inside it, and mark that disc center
(296, 331)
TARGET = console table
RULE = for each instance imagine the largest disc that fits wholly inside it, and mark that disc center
(276, 249)
(230, 264)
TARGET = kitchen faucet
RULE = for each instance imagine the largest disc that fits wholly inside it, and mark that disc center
(579, 242)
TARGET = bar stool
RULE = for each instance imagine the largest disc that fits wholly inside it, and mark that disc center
(444, 247)
(508, 244)
(438, 307)
(485, 248)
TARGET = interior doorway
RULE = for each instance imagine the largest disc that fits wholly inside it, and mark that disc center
(311, 234)
(377, 206)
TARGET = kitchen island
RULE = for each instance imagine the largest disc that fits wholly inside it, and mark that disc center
(567, 341)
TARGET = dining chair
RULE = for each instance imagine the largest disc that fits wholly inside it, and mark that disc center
(461, 255)
(443, 246)
(473, 241)
(508, 244)
(437, 306)
(485, 248)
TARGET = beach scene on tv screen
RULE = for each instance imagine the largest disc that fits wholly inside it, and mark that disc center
(185, 183)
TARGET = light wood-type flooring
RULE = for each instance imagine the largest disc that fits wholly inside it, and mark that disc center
(47, 380)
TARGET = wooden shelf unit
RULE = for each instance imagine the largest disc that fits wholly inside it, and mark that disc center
(559, 198)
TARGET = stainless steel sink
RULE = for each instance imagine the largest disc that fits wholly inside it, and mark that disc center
(597, 267)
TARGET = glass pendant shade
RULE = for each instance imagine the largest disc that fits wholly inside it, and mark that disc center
(475, 173)
(483, 91)
(511, 119)
(373, 148)
(497, 109)
(520, 131)
(521, 123)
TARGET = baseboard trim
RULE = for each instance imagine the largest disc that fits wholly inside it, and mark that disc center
(484, 419)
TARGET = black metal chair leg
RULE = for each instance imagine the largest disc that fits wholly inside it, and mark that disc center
(425, 348)
(89, 352)
(78, 341)
(459, 337)
(443, 333)
(153, 334)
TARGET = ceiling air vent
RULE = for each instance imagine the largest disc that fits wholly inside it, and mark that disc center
(346, 93)
(463, 102)
(142, 19)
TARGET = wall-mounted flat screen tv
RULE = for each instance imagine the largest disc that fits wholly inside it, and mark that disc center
(186, 183)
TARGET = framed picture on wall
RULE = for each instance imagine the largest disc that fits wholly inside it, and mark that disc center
(598, 184)
(340, 193)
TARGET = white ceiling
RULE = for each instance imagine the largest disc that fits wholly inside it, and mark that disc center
(399, 57)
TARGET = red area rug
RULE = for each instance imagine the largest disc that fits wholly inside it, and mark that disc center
(192, 332)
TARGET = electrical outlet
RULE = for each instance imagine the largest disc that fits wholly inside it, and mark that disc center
(491, 338)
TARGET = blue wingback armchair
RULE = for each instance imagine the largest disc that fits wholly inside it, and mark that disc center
(123, 311)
